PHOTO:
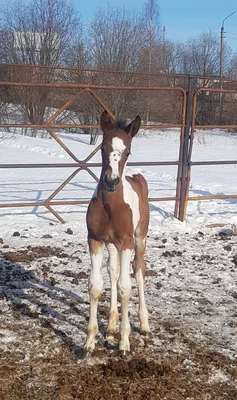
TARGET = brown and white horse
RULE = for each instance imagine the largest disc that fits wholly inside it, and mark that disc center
(118, 217)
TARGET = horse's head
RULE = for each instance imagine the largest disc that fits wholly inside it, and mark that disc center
(115, 148)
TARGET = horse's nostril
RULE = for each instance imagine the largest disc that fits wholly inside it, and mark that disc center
(110, 181)
(106, 180)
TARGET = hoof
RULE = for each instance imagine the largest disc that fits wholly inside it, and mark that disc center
(87, 351)
(88, 348)
(124, 347)
(147, 334)
(109, 337)
(123, 353)
(145, 329)
(86, 354)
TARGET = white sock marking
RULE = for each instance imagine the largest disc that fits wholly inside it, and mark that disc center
(95, 289)
(142, 313)
(124, 286)
(95, 278)
(113, 267)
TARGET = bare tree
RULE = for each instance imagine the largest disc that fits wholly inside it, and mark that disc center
(39, 32)
(201, 55)
(152, 57)
(151, 20)
(116, 39)
(174, 54)
(232, 68)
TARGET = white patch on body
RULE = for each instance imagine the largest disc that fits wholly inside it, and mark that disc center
(115, 156)
(131, 198)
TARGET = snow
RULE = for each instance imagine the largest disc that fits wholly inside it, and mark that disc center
(194, 278)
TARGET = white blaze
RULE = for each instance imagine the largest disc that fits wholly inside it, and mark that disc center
(115, 156)
(130, 196)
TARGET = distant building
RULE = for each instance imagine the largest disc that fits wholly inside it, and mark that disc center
(34, 40)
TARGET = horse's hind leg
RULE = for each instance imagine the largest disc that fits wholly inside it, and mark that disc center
(113, 268)
(139, 268)
(95, 288)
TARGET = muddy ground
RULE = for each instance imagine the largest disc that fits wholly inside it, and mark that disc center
(191, 291)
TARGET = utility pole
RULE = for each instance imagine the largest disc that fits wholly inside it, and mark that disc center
(222, 48)
(164, 49)
(222, 65)
(151, 42)
(222, 53)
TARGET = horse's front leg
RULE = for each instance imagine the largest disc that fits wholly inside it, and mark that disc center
(113, 268)
(124, 287)
(95, 288)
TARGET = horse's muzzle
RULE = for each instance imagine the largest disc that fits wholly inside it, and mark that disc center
(110, 185)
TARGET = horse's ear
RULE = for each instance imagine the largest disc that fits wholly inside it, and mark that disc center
(134, 126)
(105, 122)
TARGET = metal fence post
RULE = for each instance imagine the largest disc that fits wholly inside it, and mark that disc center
(184, 173)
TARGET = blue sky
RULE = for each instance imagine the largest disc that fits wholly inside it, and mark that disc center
(182, 18)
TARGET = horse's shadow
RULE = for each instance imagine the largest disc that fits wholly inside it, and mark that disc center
(207, 193)
(36, 299)
(163, 213)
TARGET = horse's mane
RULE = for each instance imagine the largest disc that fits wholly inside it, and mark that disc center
(121, 124)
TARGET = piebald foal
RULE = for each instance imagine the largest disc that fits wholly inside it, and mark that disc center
(118, 217)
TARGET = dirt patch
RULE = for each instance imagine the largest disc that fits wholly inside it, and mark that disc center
(71, 274)
(44, 308)
(135, 378)
(33, 253)
(172, 253)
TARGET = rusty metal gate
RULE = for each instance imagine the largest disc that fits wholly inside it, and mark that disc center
(184, 162)
(188, 144)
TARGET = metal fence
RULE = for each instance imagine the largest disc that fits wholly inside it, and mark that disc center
(187, 161)
(184, 163)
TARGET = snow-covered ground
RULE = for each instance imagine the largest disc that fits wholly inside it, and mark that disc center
(191, 284)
